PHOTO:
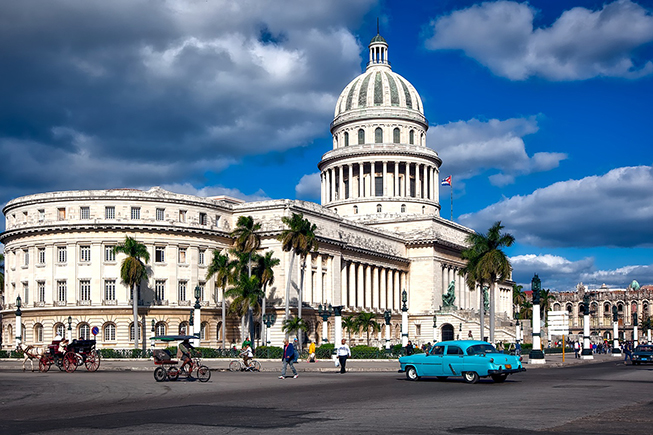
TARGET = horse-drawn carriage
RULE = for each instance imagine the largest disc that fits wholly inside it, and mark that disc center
(69, 356)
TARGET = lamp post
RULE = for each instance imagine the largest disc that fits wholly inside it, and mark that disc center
(153, 334)
(586, 353)
(337, 323)
(70, 329)
(635, 334)
(616, 350)
(325, 313)
(387, 316)
(404, 319)
(517, 333)
(268, 321)
(435, 328)
(197, 328)
(536, 356)
(19, 321)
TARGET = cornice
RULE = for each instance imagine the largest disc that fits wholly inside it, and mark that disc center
(366, 150)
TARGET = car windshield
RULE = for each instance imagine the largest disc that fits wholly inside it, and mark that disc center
(478, 349)
(644, 349)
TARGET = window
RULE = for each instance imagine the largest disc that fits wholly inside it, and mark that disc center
(61, 214)
(84, 212)
(437, 350)
(85, 253)
(454, 350)
(84, 331)
(138, 293)
(25, 293)
(201, 257)
(62, 255)
(201, 285)
(160, 328)
(25, 217)
(109, 332)
(135, 213)
(346, 139)
(41, 290)
(159, 254)
(395, 135)
(159, 289)
(131, 332)
(41, 215)
(41, 255)
(38, 333)
(355, 209)
(203, 331)
(203, 219)
(181, 293)
(110, 213)
(182, 255)
(361, 136)
(411, 137)
(59, 330)
(85, 290)
(378, 208)
(160, 214)
(25, 257)
(182, 215)
(109, 253)
(378, 135)
(61, 291)
(378, 186)
(183, 328)
(110, 290)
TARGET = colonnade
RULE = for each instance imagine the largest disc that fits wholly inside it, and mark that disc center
(371, 287)
(358, 180)
(317, 279)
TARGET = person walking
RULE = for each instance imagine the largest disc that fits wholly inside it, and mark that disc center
(627, 353)
(343, 353)
(311, 353)
(576, 349)
(287, 359)
(409, 348)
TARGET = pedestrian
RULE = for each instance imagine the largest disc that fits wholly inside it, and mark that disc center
(409, 348)
(295, 345)
(311, 352)
(576, 349)
(287, 359)
(627, 353)
(343, 353)
(470, 336)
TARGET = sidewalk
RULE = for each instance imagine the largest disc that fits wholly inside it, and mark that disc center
(274, 365)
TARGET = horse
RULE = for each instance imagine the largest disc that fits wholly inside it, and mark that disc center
(31, 353)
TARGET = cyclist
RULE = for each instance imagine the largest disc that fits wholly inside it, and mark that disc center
(183, 353)
(247, 354)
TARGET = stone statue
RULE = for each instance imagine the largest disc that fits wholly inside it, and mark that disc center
(486, 299)
(449, 298)
(615, 314)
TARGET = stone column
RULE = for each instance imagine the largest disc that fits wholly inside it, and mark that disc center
(360, 286)
(322, 188)
(332, 184)
(396, 295)
(325, 331)
(353, 285)
(383, 301)
(361, 181)
(396, 179)
(406, 180)
(373, 178)
(350, 191)
(418, 190)
(368, 286)
(337, 323)
(341, 183)
(385, 178)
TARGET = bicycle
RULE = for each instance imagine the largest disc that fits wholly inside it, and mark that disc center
(238, 365)
(195, 366)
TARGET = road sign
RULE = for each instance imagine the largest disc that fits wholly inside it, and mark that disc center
(95, 330)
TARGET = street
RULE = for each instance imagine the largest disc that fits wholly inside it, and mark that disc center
(605, 398)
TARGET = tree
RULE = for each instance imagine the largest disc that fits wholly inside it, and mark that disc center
(294, 325)
(349, 323)
(132, 272)
(298, 238)
(526, 310)
(264, 270)
(487, 263)
(518, 298)
(367, 321)
(246, 294)
(546, 298)
(223, 269)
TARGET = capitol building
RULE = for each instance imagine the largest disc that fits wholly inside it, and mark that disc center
(379, 232)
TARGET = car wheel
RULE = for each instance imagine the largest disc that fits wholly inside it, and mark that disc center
(499, 378)
(442, 378)
(411, 374)
(470, 377)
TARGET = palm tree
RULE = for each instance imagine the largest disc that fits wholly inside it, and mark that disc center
(223, 269)
(132, 272)
(294, 325)
(526, 310)
(298, 237)
(367, 321)
(246, 294)
(349, 323)
(546, 298)
(518, 298)
(264, 270)
(489, 264)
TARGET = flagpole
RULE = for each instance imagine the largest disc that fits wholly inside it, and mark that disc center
(451, 201)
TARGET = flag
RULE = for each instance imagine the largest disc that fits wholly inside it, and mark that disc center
(447, 181)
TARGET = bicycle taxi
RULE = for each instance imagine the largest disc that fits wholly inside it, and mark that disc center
(167, 367)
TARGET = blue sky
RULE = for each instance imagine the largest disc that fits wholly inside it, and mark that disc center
(540, 111)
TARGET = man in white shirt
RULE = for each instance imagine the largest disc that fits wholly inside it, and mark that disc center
(343, 352)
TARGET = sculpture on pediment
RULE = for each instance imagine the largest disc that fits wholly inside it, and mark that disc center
(449, 298)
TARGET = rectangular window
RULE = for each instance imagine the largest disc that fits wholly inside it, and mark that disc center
(159, 290)
(203, 219)
(201, 257)
(110, 290)
(181, 294)
(85, 290)
(25, 293)
(41, 287)
(84, 212)
(62, 255)
(182, 255)
(160, 214)
(159, 254)
(61, 291)
(136, 213)
(61, 214)
(109, 253)
(25, 257)
(109, 212)
(41, 215)
(182, 215)
(378, 186)
(85, 253)
(201, 285)
(41, 256)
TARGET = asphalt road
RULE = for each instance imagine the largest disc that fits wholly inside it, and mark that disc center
(603, 398)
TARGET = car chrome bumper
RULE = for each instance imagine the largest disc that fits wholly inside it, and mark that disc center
(505, 371)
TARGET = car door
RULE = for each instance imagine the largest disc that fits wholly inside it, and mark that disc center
(453, 361)
(432, 363)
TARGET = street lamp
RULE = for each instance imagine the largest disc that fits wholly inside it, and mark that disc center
(325, 313)
(435, 328)
(19, 321)
(536, 356)
(387, 316)
(153, 332)
(587, 347)
(404, 319)
(197, 327)
(70, 328)
(198, 295)
(268, 321)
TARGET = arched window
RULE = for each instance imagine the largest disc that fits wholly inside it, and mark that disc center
(84, 331)
(131, 331)
(355, 209)
(378, 208)
(421, 140)
(203, 327)
(403, 208)
(606, 308)
(556, 307)
(395, 135)
(160, 328)
(378, 135)
(346, 139)
(109, 332)
(411, 137)
(60, 330)
(10, 332)
(183, 328)
(361, 136)
(219, 331)
(38, 333)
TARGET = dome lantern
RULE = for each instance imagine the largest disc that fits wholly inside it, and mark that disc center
(378, 51)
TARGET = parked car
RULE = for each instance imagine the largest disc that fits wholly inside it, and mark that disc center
(470, 359)
(643, 354)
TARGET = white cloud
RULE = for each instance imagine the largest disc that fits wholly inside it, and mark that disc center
(580, 44)
(613, 209)
(309, 186)
(468, 148)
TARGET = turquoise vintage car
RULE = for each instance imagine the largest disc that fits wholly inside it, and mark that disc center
(470, 359)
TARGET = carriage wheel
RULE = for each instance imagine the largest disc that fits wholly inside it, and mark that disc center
(69, 362)
(203, 373)
(235, 366)
(173, 373)
(93, 361)
(160, 374)
(44, 364)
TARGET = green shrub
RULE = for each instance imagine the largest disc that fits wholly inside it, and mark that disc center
(269, 352)
(325, 351)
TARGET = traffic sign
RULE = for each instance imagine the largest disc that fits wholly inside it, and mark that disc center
(95, 330)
